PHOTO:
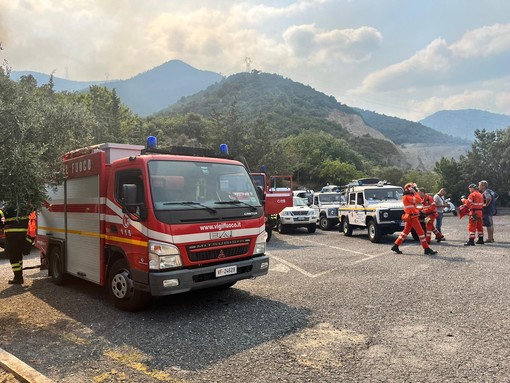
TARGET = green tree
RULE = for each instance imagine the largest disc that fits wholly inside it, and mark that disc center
(37, 126)
(489, 160)
(451, 176)
(341, 172)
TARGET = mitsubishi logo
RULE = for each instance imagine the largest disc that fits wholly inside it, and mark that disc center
(221, 254)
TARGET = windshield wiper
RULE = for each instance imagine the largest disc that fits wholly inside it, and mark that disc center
(191, 203)
(236, 202)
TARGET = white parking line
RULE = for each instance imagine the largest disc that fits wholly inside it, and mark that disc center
(332, 247)
(368, 257)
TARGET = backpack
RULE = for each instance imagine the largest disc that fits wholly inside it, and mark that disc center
(491, 209)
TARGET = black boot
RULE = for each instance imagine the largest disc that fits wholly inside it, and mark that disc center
(471, 242)
(429, 251)
(18, 278)
(480, 241)
(396, 249)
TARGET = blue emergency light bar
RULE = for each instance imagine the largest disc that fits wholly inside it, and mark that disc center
(224, 149)
(152, 142)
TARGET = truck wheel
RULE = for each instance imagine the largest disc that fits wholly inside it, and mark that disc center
(56, 269)
(347, 227)
(374, 232)
(122, 291)
(311, 228)
(324, 223)
(282, 229)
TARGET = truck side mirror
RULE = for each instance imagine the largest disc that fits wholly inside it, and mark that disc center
(130, 204)
(260, 194)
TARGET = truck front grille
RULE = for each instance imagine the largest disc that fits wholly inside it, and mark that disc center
(218, 250)
(394, 215)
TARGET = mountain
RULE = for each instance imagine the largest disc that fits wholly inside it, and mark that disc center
(151, 91)
(463, 123)
(402, 131)
(147, 92)
(59, 84)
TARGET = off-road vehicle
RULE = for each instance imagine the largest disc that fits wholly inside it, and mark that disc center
(372, 205)
(326, 207)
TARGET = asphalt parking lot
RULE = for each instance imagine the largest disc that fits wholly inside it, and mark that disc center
(332, 309)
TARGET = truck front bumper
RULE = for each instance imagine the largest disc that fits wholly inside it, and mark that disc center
(193, 279)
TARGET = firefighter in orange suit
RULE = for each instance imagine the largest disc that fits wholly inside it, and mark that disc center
(475, 204)
(15, 228)
(429, 209)
(411, 199)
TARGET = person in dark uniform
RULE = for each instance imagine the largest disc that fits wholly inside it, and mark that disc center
(15, 225)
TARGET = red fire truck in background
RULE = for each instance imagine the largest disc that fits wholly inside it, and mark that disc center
(277, 196)
(144, 221)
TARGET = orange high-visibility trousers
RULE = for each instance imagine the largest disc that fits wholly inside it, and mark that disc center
(412, 222)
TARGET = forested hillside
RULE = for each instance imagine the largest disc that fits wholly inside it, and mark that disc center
(289, 109)
(402, 131)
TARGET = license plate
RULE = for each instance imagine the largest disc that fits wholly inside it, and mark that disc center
(300, 219)
(223, 271)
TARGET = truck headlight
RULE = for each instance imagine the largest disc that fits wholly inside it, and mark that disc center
(333, 212)
(260, 244)
(163, 256)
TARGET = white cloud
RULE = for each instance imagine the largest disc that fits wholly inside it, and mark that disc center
(485, 41)
(439, 63)
(321, 46)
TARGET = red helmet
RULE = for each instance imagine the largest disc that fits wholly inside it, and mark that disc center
(410, 185)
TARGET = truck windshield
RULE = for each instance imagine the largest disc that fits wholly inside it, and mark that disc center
(383, 194)
(182, 185)
(333, 198)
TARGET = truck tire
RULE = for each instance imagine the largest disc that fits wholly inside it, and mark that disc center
(374, 232)
(312, 228)
(324, 223)
(282, 229)
(121, 288)
(347, 228)
(56, 268)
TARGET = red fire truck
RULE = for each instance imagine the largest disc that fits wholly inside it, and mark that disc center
(277, 196)
(144, 221)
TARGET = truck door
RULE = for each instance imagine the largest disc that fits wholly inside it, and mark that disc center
(83, 242)
(352, 211)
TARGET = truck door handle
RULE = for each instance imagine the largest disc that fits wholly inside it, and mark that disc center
(113, 229)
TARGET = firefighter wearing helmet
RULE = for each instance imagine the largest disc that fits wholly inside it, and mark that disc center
(15, 223)
(474, 202)
(411, 199)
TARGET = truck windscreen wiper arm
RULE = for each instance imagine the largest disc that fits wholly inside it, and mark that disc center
(236, 202)
(191, 203)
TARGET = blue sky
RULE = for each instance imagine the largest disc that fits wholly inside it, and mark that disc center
(403, 58)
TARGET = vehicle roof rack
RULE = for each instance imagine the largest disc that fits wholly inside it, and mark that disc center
(186, 151)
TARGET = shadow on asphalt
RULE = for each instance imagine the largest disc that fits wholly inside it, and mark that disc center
(191, 331)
